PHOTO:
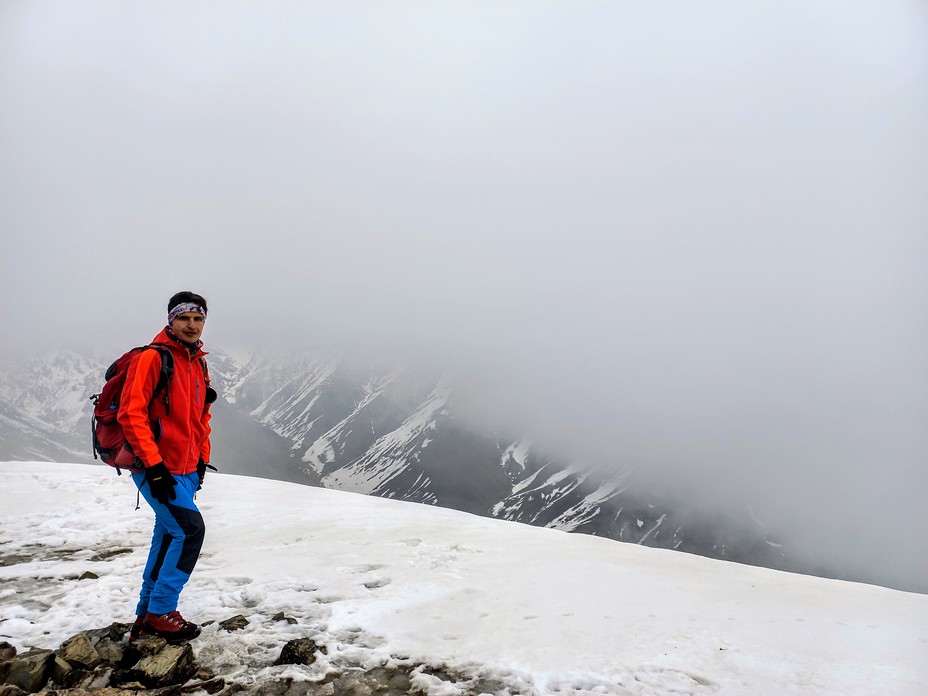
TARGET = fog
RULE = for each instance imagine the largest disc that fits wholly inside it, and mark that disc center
(686, 237)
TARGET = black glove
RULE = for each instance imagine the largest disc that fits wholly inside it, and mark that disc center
(161, 482)
(201, 471)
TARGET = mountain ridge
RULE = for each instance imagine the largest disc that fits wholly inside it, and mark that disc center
(390, 431)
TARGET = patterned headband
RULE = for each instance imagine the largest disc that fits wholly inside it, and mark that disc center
(185, 307)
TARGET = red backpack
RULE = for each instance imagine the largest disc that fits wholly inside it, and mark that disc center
(109, 441)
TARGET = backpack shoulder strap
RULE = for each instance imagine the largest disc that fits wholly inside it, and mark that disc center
(167, 369)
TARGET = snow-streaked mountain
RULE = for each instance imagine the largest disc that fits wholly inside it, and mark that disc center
(467, 604)
(382, 430)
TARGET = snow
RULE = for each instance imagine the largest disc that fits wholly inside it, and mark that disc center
(518, 452)
(388, 457)
(380, 581)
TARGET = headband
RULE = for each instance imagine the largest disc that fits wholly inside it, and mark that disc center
(185, 307)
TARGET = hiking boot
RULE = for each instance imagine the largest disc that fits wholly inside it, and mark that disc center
(171, 626)
(138, 629)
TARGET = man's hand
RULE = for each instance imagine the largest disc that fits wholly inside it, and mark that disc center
(201, 471)
(161, 482)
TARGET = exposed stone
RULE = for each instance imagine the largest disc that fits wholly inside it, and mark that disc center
(100, 678)
(10, 690)
(203, 674)
(7, 651)
(78, 650)
(299, 651)
(88, 575)
(281, 617)
(380, 681)
(108, 642)
(60, 670)
(285, 687)
(30, 670)
(144, 647)
(236, 623)
(109, 553)
(210, 686)
(75, 679)
(113, 691)
(172, 665)
(130, 685)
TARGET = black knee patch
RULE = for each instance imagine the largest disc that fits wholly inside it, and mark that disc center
(191, 521)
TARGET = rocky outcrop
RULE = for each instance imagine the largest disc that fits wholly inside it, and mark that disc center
(160, 664)
(301, 651)
(28, 671)
(102, 662)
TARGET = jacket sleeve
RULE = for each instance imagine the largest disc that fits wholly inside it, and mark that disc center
(206, 447)
(141, 379)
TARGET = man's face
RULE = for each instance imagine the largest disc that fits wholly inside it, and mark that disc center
(188, 326)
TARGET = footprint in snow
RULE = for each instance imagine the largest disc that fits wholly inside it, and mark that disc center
(671, 681)
(239, 580)
(360, 568)
(376, 583)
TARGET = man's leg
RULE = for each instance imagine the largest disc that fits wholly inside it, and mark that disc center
(160, 542)
(176, 544)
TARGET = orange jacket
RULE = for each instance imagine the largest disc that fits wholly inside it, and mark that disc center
(177, 434)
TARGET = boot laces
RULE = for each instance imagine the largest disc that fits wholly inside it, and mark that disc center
(175, 618)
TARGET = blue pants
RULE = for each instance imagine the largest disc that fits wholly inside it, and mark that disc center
(175, 545)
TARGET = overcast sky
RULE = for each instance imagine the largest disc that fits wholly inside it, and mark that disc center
(691, 236)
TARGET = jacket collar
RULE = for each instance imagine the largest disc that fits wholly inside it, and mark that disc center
(168, 338)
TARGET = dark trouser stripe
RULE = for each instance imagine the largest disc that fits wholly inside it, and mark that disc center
(191, 522)
(162, 552)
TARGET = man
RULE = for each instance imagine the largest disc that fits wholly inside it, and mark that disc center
(170, 437)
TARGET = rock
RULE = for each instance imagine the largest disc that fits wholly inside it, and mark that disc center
(7, 651)
(235, 623)
(101, 677)
(112, 691)
(10, 690)
(78, 650)
(381, 681)
(211, 686)
(60, 670)
(30, 670)
(88, 575)
(280, 617)
(109, 553)
(75, 679)
(172, 665)
(130, 685)
(285, 687)
(144, 647)
(300, 651)
(108, 642)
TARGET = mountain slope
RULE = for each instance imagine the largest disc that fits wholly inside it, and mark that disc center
(383, 430)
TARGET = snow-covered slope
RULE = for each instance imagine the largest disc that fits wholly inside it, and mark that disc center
(534, 610)
(395, 433)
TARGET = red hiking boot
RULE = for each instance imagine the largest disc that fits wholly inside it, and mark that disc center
(171, 626)
(138, 630)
